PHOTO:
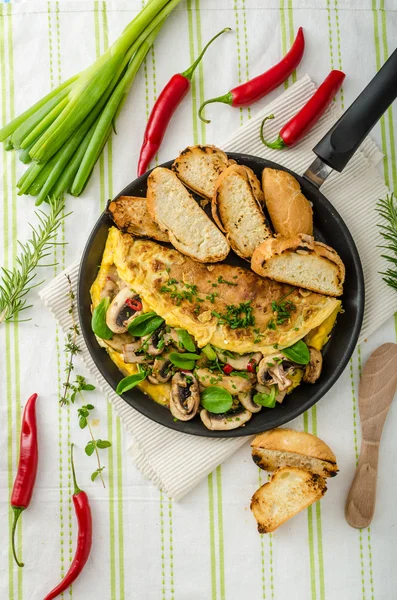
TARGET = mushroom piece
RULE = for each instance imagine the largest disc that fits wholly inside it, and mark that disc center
(113, 284)
(264, 389)
(239, 362)
(130, 356)
(119, 340)
(161, 371)
(152, 342)
(271, 371)
(248, 403)
(185, 396)
(231, 383)
(313, 368)
(225, 421)
(119, 315)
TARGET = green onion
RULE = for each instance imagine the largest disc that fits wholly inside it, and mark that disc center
(65, 132)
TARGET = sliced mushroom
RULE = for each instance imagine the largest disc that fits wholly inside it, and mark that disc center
(161, 371)
(248, 403)
(119, 315)
(313, 368)
(280, 396)
(225, 421)
(232, 383)
(113, 284)
(239, 362)
(185, 396)
(119, 340)
(130, 356)
(271, 371)
(152, 342)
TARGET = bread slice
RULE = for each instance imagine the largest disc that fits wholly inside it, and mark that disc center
(289, 491)
(130, 214)
(289, 210)
(289, 448)
(199, 167)
(176, 212)
(302, 262)
(237, 208)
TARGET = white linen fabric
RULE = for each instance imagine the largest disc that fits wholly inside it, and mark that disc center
(204, 545)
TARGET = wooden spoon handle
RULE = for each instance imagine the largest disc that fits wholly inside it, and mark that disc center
(360, 504)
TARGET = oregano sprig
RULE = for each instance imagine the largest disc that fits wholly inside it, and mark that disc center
(93, 445)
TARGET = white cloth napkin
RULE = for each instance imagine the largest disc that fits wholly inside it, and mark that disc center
(354, 193)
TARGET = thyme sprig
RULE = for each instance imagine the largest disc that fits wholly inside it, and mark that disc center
(71, 349)
(17, 282)
(387, 208)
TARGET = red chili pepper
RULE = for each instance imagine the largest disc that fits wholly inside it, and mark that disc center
(251, 91)
(163, 109)
(251, 366)
(134, 304)
(227, 369)
(84, 539)
(307, 117)
(27, 467)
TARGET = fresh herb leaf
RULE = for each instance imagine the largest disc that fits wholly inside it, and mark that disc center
(184, 361)
(186, 340)
(266, 400)
(103, 444)
(130, 382)
(145, 324)
(90, 448)
(298, 353)
(221, 280)
(216, 400)
(98, 320)
(95, 474)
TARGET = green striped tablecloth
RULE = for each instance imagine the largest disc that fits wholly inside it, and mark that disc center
(145, 546)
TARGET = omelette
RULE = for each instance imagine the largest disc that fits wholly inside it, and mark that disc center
(186, 330)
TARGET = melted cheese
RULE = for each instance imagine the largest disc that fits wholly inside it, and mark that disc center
(319, 336)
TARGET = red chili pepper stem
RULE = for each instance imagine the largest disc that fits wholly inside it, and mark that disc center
(17, 512)
(278, 144)
(189, 72)
(77, 490)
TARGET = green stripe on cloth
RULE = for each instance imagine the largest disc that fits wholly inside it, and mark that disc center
(262, 536)
(171, 547)
(220, 533)
(102, 156)
(112, 535)
(212, 534)
(162, 547)
(392, 145)
(310, 528)
(239, 77)
(7, 325)
(194, 85)
(246, 53)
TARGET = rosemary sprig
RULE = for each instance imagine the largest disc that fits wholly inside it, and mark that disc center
(387, 208)
(17, 282)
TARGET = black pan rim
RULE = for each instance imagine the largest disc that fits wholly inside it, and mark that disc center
(186, 427)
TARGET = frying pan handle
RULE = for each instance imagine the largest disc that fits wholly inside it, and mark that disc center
(340, 143)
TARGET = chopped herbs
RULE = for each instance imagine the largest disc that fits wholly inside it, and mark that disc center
(242, 374)
(187, 292)
(211, 297)
(221, 280)
(271, 324)
(236, 316)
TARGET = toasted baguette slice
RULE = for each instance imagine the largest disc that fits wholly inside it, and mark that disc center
(302, 262)
(199, 167)
(237, 208)
(176, 212)
(130, 214)
(289, 210)
(288, 448)
(289, 491)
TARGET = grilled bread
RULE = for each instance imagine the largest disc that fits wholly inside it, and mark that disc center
(199, 167)
(290, 212)
(286, 447)
(237, 208)
(289, 491)
(302, 262)
(176, 212)
(130, 214)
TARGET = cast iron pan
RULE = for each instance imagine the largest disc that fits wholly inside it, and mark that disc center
(333, 151)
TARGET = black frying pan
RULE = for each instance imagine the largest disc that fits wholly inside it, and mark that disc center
(333, 152)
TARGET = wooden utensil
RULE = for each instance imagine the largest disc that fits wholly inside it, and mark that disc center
(378, 385)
